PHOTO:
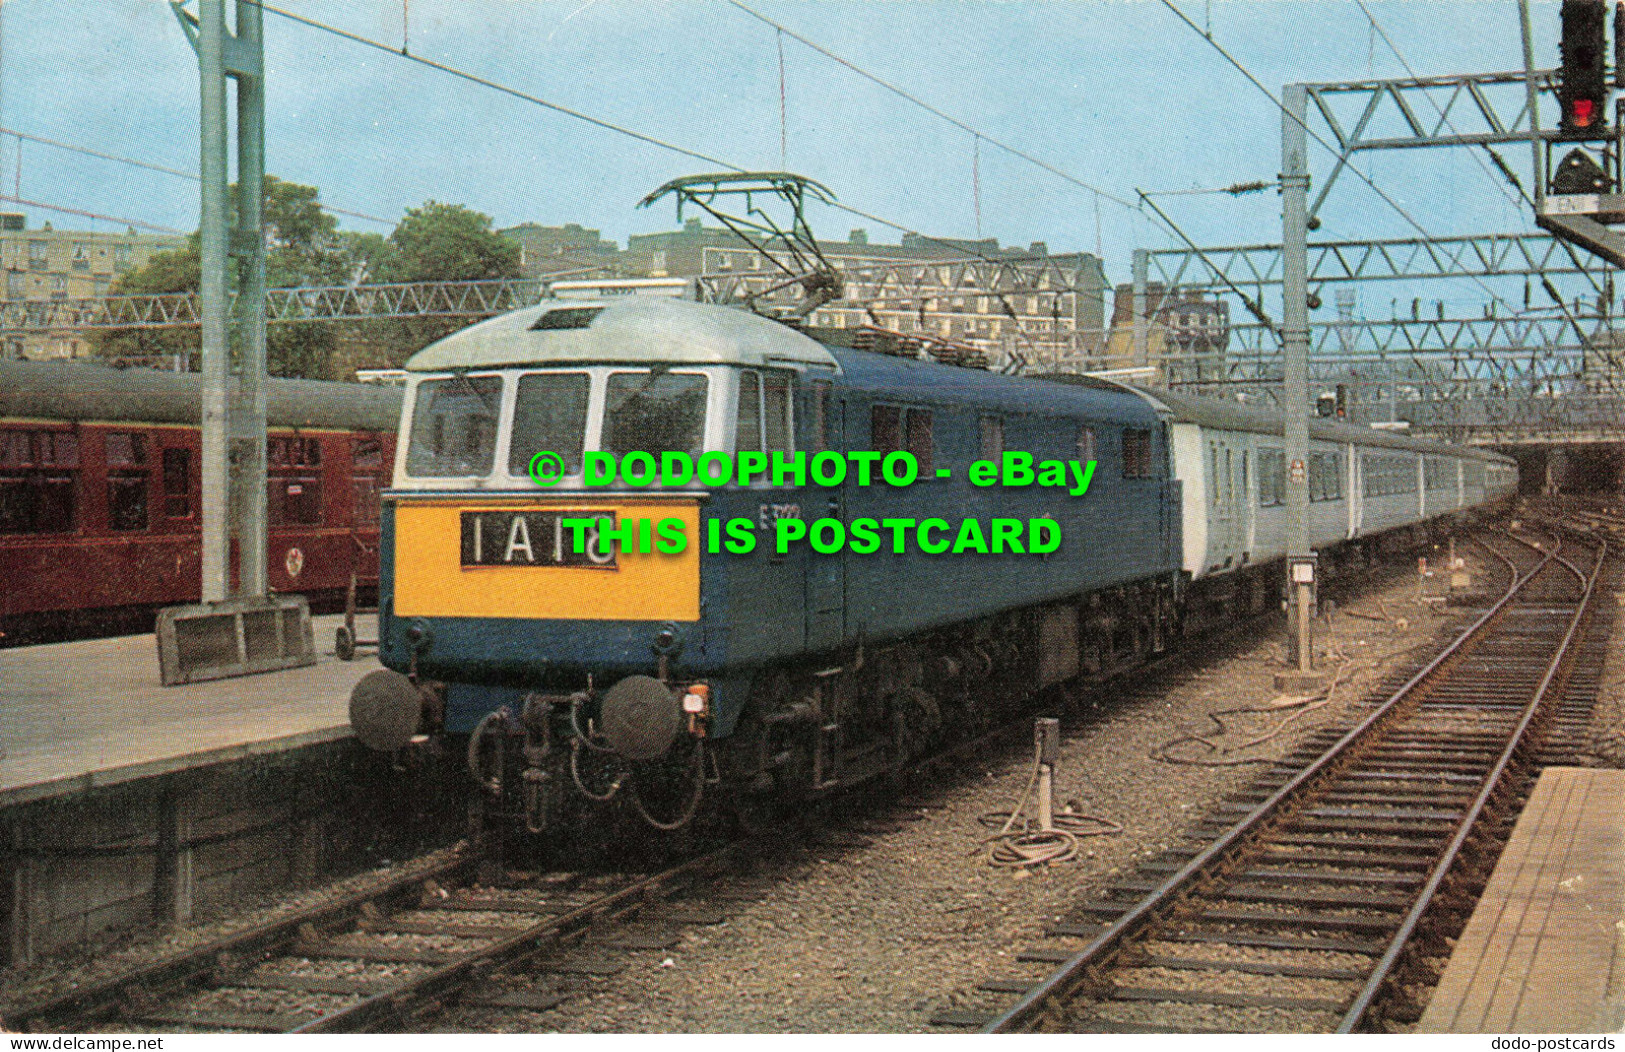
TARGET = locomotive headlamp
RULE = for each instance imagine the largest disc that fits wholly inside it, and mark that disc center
(697, 704)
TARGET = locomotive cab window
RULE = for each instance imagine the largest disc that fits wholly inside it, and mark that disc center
(655, 412)
(454, 427)
(763, 420)
(549, 413)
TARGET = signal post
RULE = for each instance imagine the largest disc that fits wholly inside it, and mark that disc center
(1295, 389)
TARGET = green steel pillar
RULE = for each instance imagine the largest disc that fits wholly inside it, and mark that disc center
(216, 469)
(248, 245)
(233, 468)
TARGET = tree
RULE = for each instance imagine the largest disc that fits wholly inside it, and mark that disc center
(303, 247)
(365, 256)
(437, 242)
(440, 242)
(164, 272)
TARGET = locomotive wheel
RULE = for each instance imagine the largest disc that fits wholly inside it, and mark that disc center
(343, 643)
(757, 813)
(917, 720)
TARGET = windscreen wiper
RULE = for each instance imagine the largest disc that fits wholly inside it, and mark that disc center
(484, 401)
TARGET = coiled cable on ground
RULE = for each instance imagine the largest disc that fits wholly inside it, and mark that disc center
(1017, 845)
(1294, 707)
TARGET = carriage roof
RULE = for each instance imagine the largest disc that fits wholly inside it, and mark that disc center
(80, 391)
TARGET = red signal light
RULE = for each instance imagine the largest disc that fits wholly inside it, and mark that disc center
(1582, 112)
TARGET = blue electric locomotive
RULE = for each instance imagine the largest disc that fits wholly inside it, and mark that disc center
(797, 671)
(582, 664)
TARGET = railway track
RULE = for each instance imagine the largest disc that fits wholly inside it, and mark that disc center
(376, 960)
(411, 952)
(420, 948)
(1320, 899)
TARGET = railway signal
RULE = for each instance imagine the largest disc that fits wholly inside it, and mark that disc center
(1583, 90)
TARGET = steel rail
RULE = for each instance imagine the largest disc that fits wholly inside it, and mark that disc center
(102, 997)
(446, 978)
(1074, 972)
(1379, 977)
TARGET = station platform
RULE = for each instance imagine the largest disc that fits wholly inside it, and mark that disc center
(80, 715)
(1544, 951)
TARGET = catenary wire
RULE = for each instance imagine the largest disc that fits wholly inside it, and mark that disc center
(1376, 27)
(916, 100)
(600, 123)
(164, 169)
(1320, 140)
(26, 203)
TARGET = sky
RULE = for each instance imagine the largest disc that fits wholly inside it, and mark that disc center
(1119, 94)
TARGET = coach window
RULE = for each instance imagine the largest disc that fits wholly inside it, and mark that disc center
(294, 489)
(19, 501)
(38, 470)
(126, 481)
(549, 413)
(1271, 478)
(1325, 477)
(992, 437)
(366, 463)
(1136, 453)
(177, 483)
(655, 412)
(454, 427)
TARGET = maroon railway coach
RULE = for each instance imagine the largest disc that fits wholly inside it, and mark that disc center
(100, 493)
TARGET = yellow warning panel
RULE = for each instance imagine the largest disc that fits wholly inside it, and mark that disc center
(457, 557)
